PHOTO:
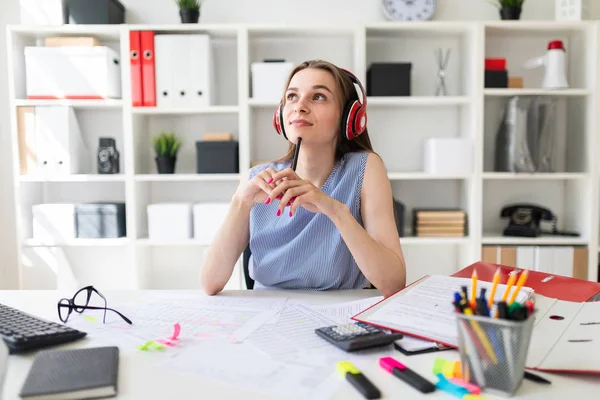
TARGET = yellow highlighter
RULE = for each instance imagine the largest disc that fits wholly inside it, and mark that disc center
(358, 380)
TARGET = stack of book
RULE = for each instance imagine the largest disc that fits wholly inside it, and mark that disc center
(439, 222)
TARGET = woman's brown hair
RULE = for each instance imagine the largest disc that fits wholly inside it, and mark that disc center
(347, 92)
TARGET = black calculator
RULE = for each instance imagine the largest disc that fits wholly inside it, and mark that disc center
(357, 336)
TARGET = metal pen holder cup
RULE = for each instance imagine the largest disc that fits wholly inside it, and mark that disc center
(493, 351)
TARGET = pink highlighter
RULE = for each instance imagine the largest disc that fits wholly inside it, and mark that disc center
(400, 370)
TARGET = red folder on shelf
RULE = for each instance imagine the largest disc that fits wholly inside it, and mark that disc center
(148, 69)
(136, 68)
(548, 285)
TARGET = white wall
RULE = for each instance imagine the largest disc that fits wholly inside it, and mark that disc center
(9, 14)
(318, 11)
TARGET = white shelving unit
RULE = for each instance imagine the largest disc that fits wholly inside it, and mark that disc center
(398, 127)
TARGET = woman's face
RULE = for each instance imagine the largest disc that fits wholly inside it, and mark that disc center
(311, 109)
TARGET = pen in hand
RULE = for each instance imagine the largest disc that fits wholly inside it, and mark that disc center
(295, 162)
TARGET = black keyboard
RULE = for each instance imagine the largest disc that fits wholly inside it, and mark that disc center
(23, 332)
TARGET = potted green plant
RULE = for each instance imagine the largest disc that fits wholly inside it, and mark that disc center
(189, 10)
(166, 146)
(509, 9)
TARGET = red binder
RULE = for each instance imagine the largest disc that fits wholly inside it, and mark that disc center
(148, 69)
(136, 68)
(548, 285)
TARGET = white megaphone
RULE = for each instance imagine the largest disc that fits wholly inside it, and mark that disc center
(554, 62)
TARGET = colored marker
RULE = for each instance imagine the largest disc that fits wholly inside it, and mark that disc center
(400, 370)
(358, 380)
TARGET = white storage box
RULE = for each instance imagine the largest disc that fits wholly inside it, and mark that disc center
(43, 12)
(169, 222)
(452, 156)
(72, 72)
(208, 218)
(53, 222)
(268, 80)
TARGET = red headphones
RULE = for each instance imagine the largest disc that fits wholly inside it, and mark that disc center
(354, 117)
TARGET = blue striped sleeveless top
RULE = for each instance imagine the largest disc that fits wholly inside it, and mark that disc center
(306, 251)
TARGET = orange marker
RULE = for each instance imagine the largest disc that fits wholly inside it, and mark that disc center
(494, 287)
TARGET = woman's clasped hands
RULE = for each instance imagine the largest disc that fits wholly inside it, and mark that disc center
(290, 190)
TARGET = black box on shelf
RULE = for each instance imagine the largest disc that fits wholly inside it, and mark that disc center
(389, 79)
(100, 220)
(496, 78)
(95, 12)
(399, 211)
(217, 157)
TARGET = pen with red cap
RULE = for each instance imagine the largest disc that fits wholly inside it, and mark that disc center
(400, 370)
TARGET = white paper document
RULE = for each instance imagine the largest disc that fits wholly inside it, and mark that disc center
(248, 368)
(343, 312)
(199, 317)
(426, 309)
(286, 360)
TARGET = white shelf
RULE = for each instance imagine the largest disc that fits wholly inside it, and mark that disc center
(418, 101)
(182, 111)
(534, 176)
(398, 127)
(415, 240)
(75, 178)
(78, 243)
(536, 92)
(84, 104)
(179, 243)
(101, 31)
(399, 176)
(541, 240)
(262, 103)
(187, 177)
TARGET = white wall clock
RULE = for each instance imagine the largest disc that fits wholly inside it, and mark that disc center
(409, 10)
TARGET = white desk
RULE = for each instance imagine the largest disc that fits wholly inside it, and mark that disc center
(138, 380)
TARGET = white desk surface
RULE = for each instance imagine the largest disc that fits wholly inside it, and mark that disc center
(138, 380)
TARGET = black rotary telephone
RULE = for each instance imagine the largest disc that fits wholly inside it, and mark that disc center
(525, 219)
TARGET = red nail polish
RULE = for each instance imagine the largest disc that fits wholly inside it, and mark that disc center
(278, 213)
(270, 180)
(268, 200)
(280, 196)
(290, 213)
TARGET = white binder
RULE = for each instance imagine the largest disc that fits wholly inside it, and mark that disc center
(163, 56)
(201, 71)
(184, 71)
(59, 145)
(180, 68)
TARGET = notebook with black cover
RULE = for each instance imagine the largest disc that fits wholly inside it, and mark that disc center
(73, 374)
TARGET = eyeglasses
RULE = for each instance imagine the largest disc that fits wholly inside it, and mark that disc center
(80, 301)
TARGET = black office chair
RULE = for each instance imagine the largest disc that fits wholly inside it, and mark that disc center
(245, 261)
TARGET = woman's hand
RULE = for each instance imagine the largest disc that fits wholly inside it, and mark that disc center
(294, 191)
(257, 189)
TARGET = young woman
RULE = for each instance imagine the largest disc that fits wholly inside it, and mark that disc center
(327, 223)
